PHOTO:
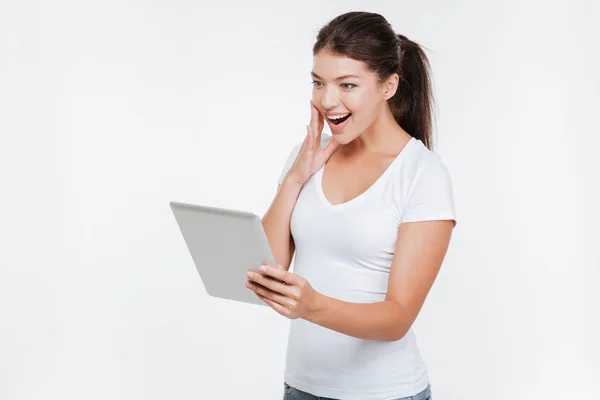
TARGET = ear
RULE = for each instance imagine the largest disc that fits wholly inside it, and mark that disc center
(390, 86)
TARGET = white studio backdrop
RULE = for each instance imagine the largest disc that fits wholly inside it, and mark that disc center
(109, 110)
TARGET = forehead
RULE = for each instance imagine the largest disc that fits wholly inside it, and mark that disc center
(330, 66)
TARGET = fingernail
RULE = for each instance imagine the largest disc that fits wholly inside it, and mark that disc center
(249, 274)
(263, 268)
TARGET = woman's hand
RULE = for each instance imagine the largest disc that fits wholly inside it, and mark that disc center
(311, 156)
(287, 293)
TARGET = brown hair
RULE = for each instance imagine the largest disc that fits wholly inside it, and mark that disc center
(369, 37)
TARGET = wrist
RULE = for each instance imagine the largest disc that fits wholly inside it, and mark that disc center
(320, 305)
(292, 181)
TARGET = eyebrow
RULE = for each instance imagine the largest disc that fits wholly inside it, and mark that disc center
(338, 78)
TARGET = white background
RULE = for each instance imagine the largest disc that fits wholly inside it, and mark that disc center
(108, 111)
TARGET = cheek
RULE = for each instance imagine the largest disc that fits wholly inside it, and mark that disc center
(359, 102)
(360, 109)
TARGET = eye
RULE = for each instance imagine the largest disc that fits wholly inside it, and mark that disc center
(347, 86)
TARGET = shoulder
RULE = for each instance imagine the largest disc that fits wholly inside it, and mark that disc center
(325, 138)
(427, 191)
(293, 154)
(424, 165)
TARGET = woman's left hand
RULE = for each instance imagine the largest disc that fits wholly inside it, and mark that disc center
(289, 294)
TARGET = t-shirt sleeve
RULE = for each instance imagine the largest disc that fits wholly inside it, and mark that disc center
(431, 198)
(289, 162)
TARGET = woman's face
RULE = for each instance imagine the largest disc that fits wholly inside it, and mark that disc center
(342, 85)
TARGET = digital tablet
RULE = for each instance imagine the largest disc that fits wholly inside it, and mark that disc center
(224, 245)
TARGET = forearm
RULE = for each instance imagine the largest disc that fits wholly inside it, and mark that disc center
(276, 221)
(384, 320)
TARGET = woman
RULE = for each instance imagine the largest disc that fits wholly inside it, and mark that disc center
(369, 212)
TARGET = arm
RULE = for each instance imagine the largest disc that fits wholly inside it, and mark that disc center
(420, 250)
(276, 222)
(421, 246)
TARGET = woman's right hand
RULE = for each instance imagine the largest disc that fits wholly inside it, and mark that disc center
(311, 157)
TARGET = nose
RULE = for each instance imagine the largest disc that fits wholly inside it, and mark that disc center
(331, 98)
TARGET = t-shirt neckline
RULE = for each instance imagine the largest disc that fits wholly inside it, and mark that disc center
(361, 197)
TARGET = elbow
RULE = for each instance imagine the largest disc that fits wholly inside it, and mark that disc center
(396, 335)
(399, 327)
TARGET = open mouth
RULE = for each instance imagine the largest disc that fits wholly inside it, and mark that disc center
(338, 121)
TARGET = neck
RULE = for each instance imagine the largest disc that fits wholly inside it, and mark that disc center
(383, 136)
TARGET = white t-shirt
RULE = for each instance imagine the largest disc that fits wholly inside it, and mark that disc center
(345, 251)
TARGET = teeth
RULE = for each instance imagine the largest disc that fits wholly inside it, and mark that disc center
(334, 117)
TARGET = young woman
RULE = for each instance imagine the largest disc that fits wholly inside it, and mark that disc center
(369, 213)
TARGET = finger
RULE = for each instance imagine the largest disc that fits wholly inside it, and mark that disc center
(272, 296)
(280, 309)
(282, 268)
(314, 123)
(267, 301)
(315, 116)
(277, 307)
(312, 138)
(269, 282)
(275, 264)
(255, 288)
(279, 274)
(320, 121)
(330, 148)
(263, 298)
(260, 296)
(305, 142)
(309, 137)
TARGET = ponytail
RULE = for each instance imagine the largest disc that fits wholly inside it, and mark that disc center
(412, 105)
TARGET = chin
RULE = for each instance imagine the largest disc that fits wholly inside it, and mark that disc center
(342, 138)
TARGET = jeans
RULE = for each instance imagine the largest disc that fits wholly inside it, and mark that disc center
(291, 393)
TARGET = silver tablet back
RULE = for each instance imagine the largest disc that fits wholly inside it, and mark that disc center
(224, 245)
